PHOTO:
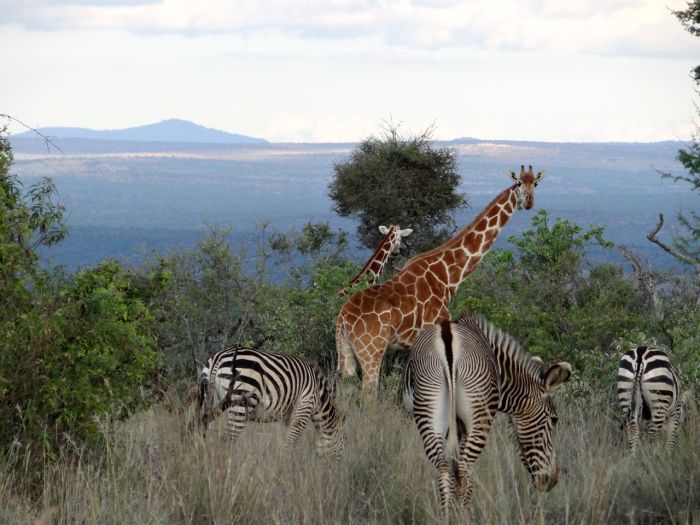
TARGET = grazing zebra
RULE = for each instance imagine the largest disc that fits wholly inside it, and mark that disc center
(459, 374)
(647, 383)
(264, 387)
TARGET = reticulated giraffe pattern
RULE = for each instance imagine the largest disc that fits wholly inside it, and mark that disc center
(375, 264)
(648, 388)
(254, 385)
(457, 377)
(392, 313)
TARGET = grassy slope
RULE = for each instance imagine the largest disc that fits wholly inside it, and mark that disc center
(154, 472)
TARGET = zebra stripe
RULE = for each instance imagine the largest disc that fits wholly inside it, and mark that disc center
(648, 385)
(457, 377)
(254, 385)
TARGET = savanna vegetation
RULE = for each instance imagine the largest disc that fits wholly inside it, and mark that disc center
(95, 367)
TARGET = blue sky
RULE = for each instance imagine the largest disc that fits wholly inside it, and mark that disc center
(334, 70)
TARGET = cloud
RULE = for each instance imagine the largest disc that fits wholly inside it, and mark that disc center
(616, 27)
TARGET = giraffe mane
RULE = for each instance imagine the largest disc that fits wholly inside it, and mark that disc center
(456, 238)
(506, 343)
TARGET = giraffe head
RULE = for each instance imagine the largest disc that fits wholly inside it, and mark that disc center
(525, 185)
(394, 234)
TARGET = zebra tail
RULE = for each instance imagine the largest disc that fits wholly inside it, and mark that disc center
(452, 442)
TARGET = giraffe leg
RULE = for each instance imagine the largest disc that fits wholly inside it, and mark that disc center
(371, 363)
(347, 361)
(301, 415)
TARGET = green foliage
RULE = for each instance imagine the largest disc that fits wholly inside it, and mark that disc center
(206, 304)
(300, 316)
(72, 347)
(80, 351)
(547, 295)
(689, 245)
(397, 180)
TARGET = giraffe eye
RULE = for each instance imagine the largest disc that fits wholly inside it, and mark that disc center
(518, 184)
(535, 184)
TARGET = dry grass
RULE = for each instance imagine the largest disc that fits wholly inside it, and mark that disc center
(153, 472)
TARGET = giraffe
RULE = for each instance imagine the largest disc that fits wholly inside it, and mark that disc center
(375, 264)
(392, 313)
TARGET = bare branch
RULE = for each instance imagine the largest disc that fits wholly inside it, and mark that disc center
(645, 278)
(686, 259)
(48, 141)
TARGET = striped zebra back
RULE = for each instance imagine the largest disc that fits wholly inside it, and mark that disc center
(647, 382)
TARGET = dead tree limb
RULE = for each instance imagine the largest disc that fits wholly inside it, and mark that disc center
(674, 253)
(645, 278)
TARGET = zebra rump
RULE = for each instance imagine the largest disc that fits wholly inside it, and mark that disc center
(458, 376)
(648, 387)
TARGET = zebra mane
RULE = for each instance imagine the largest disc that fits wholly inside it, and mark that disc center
(505, 343)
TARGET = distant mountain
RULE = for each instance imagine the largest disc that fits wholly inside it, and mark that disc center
(172, 130)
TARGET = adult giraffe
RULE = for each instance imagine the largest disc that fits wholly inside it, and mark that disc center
(375, 264)
(392, 313)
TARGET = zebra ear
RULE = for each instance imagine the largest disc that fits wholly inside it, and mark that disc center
(556, 375)
(383, 229)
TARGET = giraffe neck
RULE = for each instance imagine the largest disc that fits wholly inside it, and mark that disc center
(375, 264)
(460, 255)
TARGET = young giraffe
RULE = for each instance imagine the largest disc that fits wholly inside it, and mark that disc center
(389, 245)
(392, 313)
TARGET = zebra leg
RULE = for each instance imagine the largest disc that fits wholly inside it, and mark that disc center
(632, 431)
(236, 417)
(434, 446)
(470, 448)
(673, 424)
(301, 415)
(658, 420)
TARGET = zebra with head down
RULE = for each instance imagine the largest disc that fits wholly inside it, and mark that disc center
(261, 386)
(459, 374)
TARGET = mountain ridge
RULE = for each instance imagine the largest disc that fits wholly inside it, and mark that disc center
(169, 130)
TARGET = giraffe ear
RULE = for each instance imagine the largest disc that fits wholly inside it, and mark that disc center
(513, 175)
(383, 229)
(406, 232)
(540, 176)
(556, 375)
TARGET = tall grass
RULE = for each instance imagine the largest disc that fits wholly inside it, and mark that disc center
(152, 471)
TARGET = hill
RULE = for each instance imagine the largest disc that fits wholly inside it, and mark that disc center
(171, 130)
(122, 195)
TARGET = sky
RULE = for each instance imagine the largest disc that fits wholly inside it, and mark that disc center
(340, 70)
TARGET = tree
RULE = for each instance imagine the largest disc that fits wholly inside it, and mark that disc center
(688, 246)
(399, 180)
(73, 348)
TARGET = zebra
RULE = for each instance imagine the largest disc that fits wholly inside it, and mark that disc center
(261, 386)
(648, 384)
(458, 375)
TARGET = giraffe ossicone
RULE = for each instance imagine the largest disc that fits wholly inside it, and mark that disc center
(392, 313)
